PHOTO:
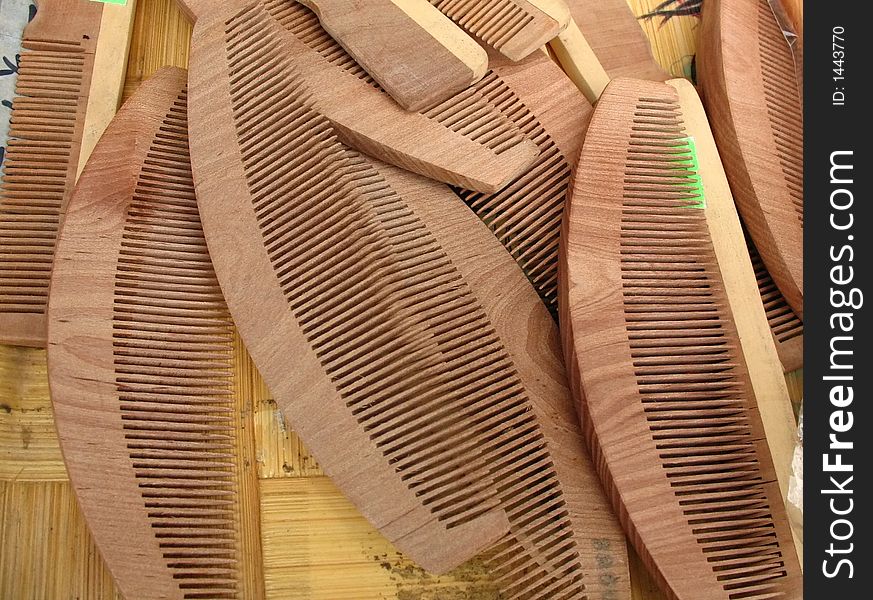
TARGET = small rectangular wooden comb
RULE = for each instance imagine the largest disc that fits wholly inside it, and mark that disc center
(140, 350)
(413, 51)
(752, 87)
(463, 141)
(42, 158)
(652, 338)
(515, 28)
(368, 299)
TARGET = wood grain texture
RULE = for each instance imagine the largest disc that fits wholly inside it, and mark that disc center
(750, 316)
(162, 36)
(607, 40)
(786, 327)
(107, 77)
(326, 375)
(577, 58)
(29, 448)
(47, 551)
(140, 351)
(515, 28)
(45, 135)
(393, 254)
(650, 335)
(462, 141)
(753, 95)
(413, 51)
(525, 216)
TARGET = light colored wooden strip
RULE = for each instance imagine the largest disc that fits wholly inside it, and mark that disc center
(47, 551)
(579, 62)
(29, 449)
(765, 369)
(245, 394)
(317, 546)
(107, 77)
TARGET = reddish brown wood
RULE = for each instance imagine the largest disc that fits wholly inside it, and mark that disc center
(413, 51)
(668, 408)
(785, 325)
(753, 95)
(140, 360)
(515, 28)
(45, 134)
(463, 141)
(385, 318)
(526, 215)
(615, 36)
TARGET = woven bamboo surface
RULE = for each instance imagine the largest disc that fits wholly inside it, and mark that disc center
(315, 545)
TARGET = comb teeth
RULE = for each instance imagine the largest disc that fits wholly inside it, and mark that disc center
(466, 113)
(172, 346)
(38, 169)
(668, 398)
(526, 215)
(695, 402)
(782, 94)
(303, 23)
(515, 28)
(496, 22)
(356, 266)
(786, 326)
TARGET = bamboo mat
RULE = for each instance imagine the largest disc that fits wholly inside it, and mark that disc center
(314, 544)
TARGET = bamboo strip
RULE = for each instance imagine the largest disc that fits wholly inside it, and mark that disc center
(29, 449)
(47, 551)
(318, 547)
(674, 43)
(245, 394)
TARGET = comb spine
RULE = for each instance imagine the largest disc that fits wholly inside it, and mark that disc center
(43, 145)
(85, 418)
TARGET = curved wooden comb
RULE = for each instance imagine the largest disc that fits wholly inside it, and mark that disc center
(651, 336)
(462, 141)
(515, 28)
(45, 135)
(140, 348)
(382, 313)
(753, 95)
(536, 97)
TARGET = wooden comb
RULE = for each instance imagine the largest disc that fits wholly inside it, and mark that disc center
(463, 141)
(786, 327)
(384, 314)
(534, 96)
(515, 28)
(752, 90)
(413, 51)
(40, 167)
(604, 41)
(525, 216)
(653, 337)
(140, 350)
